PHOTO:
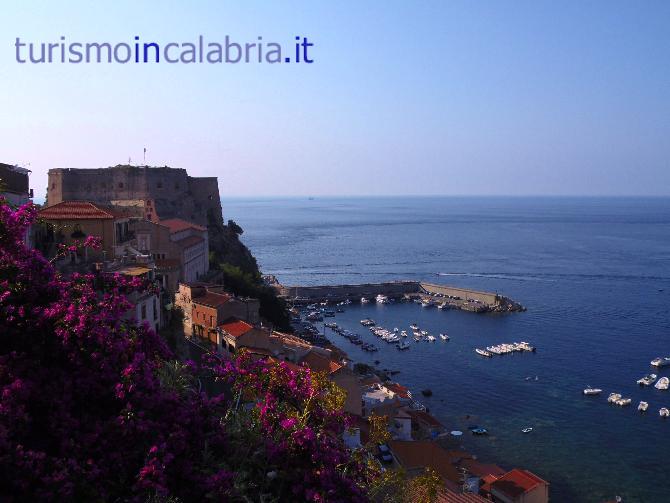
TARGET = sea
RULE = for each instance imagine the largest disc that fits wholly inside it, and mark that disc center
(594, 274)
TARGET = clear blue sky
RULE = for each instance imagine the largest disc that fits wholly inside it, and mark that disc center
(431, 97)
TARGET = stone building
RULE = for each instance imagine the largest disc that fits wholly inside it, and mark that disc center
(192, 241)
(173, 194)
(14, 184)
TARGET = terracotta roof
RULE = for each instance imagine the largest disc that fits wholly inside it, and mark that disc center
(516, 482)
(418, 454)
(398, 389)
(320, 363)
(235, 327)
(482, 470)
(290, 365)
(212, 299)
(189, 241)
(447, 496)
(76, 210)
(425, 418)
(178, 225)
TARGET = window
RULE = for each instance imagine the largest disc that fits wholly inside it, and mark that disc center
(144, 311)
(120, 185)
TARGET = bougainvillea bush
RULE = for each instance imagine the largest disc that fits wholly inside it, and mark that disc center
(95, 408)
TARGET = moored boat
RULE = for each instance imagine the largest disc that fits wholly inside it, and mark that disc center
(660, 361)
(592, 391)
(623, 401)
(643, 406)
(444, 337)
(482, 352)
(614, 397)
(647, 380)
(664, 412)
(662, 383)
(364, 300)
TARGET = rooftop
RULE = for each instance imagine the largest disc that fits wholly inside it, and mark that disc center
(77, 210)
(320, 363)
(418, 454)
(235, 327)
(178, 225)
(190, 241)
(212, 299)
(517, 482)
(398, 389)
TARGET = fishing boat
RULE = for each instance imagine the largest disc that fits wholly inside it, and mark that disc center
(591, 391)
(444, 337)
(643, 406)
(482, 352)
(647, 380)
(527, 430)
(660, 361)
(662, 383)
(614, 397)
(664, 412)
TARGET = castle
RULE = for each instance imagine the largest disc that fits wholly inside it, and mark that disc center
(173, 192)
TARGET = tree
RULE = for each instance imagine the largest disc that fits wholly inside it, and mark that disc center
(94, 407)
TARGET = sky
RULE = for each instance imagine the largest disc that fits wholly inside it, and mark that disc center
(403, 98)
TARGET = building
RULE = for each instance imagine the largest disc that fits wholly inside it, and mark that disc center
(520, 486)
(192, 241)
(173, 194)
(70, 221)
(146, 303)
(416, 456)
(14, 184)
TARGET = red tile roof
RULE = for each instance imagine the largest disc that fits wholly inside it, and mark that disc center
(235, 327)
(178, 225)
(398, 389)
(212, 299)
(76, 210)
(320, 363)
(516, 482)
(425, 418)
(190, 241)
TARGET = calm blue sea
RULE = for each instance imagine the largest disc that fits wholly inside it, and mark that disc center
(594, 275)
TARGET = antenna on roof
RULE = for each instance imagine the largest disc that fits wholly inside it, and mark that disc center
(145, 156)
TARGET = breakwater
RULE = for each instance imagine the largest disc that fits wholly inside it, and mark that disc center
(449, 296)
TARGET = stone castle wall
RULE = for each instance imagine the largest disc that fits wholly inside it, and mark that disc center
(175, 194)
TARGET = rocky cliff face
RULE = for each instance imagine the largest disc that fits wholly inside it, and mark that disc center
(226, 247)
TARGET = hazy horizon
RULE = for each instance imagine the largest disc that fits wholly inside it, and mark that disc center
(446, 98)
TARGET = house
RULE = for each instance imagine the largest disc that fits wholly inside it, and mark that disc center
(193, 242)
(399, 419)
(70, 221)
(415, 456)
(340, 375)
(424, 425)
(14, 184)
(520, 486)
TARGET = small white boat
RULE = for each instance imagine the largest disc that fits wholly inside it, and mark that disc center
(444, 337)
(614, 397)
(643, 406)
(662, 383)
(623, 401)
(430, 338)
(444, 305)
(483, 352)
(527, 430)
(664, 412)
(426, 303)
(414, 326)
(403, 333)
(364, 300)
(382, 299)
(661, 361)
(587, 391)
(647, 380)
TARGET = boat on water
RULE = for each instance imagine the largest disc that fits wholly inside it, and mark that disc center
(623, 401)
(368, 322)
(662, 383)
(643, 406)
(444, 305)
(527, 430)
(426, 303)
(482, 352)
(444, 337)
(403, 333)
(414, 326)
(664, 412)
(403, 345)
(592, 391)
(430, 338)
(614, 397)
(647, 380)
(364, 300)
(660, 361)
(479, 431)
(382, 299)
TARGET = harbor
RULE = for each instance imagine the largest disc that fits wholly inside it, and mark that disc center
(428, 294)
